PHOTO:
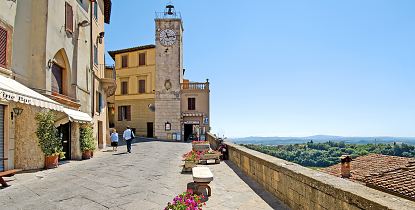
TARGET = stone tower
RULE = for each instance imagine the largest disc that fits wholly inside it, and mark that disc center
(169, 73)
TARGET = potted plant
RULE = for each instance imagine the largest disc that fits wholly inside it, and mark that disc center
(87, 141)
(49, 141)
(186, 201)
(201, 146)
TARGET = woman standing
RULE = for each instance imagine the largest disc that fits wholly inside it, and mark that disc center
(114, 140)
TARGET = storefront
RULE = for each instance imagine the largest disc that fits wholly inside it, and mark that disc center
(18, 107)
(196, 125)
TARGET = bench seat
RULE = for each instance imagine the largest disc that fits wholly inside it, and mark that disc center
(202, 174)
(7, 173)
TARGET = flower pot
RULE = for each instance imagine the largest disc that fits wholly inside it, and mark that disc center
(189, 164)
(51, 161)
(87, 154)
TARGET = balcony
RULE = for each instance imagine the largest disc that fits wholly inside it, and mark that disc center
(60, 98)
(108, 79)
(195, 85)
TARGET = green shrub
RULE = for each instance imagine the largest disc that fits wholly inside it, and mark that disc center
(46, 132)
(87, 138)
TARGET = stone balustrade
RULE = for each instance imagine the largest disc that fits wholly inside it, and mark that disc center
(303, 188)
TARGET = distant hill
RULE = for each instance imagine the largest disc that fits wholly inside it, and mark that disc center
(322, 138)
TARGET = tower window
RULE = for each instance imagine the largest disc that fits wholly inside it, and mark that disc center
(142, 59)
(124, 61)
(191, 103)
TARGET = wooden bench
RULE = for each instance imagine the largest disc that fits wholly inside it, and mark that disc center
(202, 176)
(7, 173)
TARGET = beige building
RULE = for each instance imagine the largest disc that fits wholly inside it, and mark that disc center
(54, 60)
(152, 96)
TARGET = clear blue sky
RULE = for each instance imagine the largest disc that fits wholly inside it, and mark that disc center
(292, 68)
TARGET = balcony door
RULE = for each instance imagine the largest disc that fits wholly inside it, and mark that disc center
(57, 79)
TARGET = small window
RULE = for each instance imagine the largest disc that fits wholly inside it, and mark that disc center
(124, 88)
(124, 113)
(124, 61)
(68, 17)
(191, 102)
(141, 86)
(142, 59)
(3, 47)
(95, 55)
(96, 10)
(99, 102)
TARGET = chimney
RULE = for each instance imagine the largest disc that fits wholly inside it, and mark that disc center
(345, 166)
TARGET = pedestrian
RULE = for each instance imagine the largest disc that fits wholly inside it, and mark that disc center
(114, 140)
(128, 137)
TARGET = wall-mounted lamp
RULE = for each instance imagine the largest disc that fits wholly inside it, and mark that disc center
(167, 126)
(51, 62)
(17, 111)
(100, 37)
(84, 23)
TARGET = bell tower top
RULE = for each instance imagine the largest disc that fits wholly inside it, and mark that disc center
(169, 13)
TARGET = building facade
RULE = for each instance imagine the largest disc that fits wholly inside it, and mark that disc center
(51, 51)
(152, 97)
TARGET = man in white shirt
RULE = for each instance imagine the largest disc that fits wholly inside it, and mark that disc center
(128, 135)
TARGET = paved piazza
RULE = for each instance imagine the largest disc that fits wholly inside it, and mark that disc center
(147, 178)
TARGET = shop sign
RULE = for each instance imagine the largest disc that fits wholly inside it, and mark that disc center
(191, 122)
(14, 97)
(206, 120)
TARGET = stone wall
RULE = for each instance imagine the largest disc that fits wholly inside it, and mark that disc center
(28, 154)
(304, 188)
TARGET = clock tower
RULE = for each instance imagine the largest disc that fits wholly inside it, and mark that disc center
(169, 73)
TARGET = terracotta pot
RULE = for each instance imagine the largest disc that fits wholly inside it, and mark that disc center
(51, 161)
(87, 155)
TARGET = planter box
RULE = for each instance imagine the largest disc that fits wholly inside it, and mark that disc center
(188, 165)
(201, 147)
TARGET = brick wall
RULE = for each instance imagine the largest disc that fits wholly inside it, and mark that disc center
(304, 188)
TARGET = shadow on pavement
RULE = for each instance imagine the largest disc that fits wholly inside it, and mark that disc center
(259, 190)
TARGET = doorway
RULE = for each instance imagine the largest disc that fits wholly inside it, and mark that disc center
(100, 136)
(150, 130)
(188, 130)
(65, 136)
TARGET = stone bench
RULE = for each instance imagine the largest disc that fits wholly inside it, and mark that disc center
(202, 176)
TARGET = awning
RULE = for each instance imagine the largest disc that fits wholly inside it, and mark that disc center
(11, 90)
(192, 114)
(77, 116)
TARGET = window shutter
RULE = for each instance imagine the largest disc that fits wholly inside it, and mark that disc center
(141, 86)
(142, 59)
(124, 88)
(68, 17)
(120, 113)
(3, 47)
(191, 103)
(128, 113)
(124, 61)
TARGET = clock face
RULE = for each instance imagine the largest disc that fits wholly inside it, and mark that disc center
(167, 37)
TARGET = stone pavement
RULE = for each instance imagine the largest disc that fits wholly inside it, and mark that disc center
(147, 178)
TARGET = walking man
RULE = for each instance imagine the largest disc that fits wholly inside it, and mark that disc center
(128, 136)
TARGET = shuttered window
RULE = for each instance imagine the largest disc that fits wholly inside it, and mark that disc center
(124, 88)
(96, 10)
(141, 86)
(1, 137)
(95, 55)
(124, 113)
(142, 59)
(99, 102)
(124, 61)
(191, 103)
(68, 17)
(3, 47)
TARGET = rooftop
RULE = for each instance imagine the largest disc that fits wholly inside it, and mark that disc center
(391, 174)
(132, 49)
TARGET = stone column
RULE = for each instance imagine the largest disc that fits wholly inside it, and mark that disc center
(76, 153)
